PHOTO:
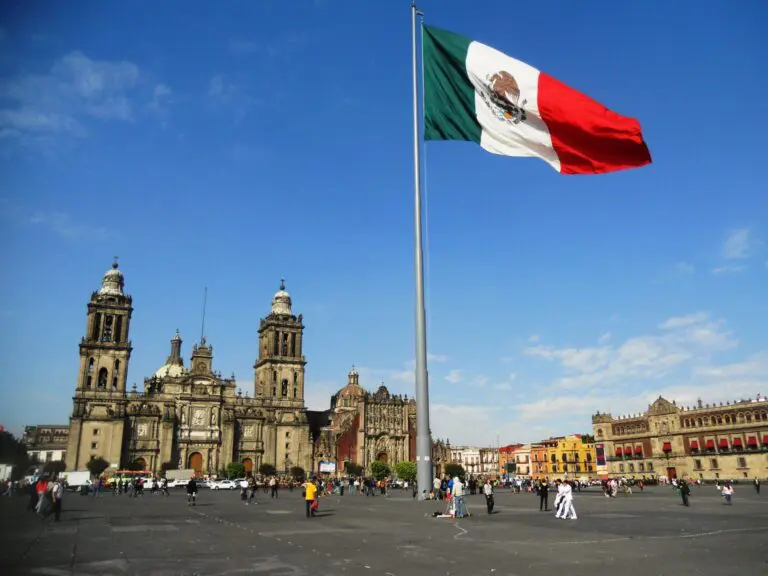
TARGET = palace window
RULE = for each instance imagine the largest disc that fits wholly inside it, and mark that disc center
(621, 468)
(697, 464)
(713, 463)
(742, 462)
(650, 467)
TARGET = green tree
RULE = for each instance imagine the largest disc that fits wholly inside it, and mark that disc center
(298, 474)
(353, 469)
(380, 470)
(55, 467)
(96, 466)
(13, 451)
(587, 439)
(454, 469)
(406, 471)
(235, 470)
(267, 470)
(136, 466)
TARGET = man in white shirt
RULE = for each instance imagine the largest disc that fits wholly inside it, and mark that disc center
(57, 494)
(457, 494)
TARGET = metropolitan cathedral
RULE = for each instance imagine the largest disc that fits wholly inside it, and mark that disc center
(187, 416)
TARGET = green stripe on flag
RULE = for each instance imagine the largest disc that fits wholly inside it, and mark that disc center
(449, 97)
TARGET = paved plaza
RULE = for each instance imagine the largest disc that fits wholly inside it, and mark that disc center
(648, 533)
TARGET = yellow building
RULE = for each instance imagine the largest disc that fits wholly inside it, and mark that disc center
(570, 456)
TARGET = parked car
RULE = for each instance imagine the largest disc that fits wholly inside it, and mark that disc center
(223, 485)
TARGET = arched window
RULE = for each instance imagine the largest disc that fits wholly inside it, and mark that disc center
(90, 365)
(88, 382)
(114, 382)
(119, 329)
(274, 375)
(117, 365)
(96, 328)
(295, 384)
(284, 388)
(103, 377)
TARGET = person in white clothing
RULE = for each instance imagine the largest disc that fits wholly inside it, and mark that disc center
(568, 510)
(559, 502)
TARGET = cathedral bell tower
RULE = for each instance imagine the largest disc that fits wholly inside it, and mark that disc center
(96, 425)
(280, 364)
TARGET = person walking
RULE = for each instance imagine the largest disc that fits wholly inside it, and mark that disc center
(685, 491)
(757, 485)
(191, 492)
(310, 494)
(57, 494)
(544, 495)
(727, 493)
(488, 492)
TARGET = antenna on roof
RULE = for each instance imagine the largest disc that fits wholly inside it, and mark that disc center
(202, 328)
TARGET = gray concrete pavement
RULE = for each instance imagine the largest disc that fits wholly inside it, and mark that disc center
(647, 533)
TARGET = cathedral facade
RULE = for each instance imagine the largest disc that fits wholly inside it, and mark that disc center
(187, 417)
(362, 427)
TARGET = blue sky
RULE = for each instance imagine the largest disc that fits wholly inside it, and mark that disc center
(231, 147)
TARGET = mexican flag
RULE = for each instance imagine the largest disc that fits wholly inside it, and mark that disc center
(474, 92)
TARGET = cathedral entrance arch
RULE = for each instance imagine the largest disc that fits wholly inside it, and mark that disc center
(248, 464)
(195, 461)
(382, 457)
(141, 464)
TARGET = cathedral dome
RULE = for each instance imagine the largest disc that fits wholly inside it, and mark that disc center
(113, 281)
(281, 302)
(169, 370)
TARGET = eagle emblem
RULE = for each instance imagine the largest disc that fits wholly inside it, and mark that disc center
(502, 96)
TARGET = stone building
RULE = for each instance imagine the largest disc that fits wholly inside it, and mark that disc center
(46, 442)
(362, 427)
(187, 417)
(707, 442)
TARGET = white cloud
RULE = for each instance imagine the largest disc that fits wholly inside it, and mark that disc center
(229, 94)
(161, 98)
(641, 358)
(738, 244)
(684, 268)
(727, 269)
(454, 376)
(534, 338)
(75, 90)
(683, 321)
(437, 357)
(604, 338)
(479, 381)
(62, 224)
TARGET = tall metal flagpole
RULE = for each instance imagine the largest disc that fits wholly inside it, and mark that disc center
(423, 435)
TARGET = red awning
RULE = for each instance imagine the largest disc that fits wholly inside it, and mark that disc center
(618, 450)
(638, 449)
(737, 441)
(694, 444)
(723, 443)
(667, 447)
(710, 443)
(628, 450)
(765, 439)
(752, 441)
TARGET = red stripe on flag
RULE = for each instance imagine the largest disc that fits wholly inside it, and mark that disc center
(589, 138)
